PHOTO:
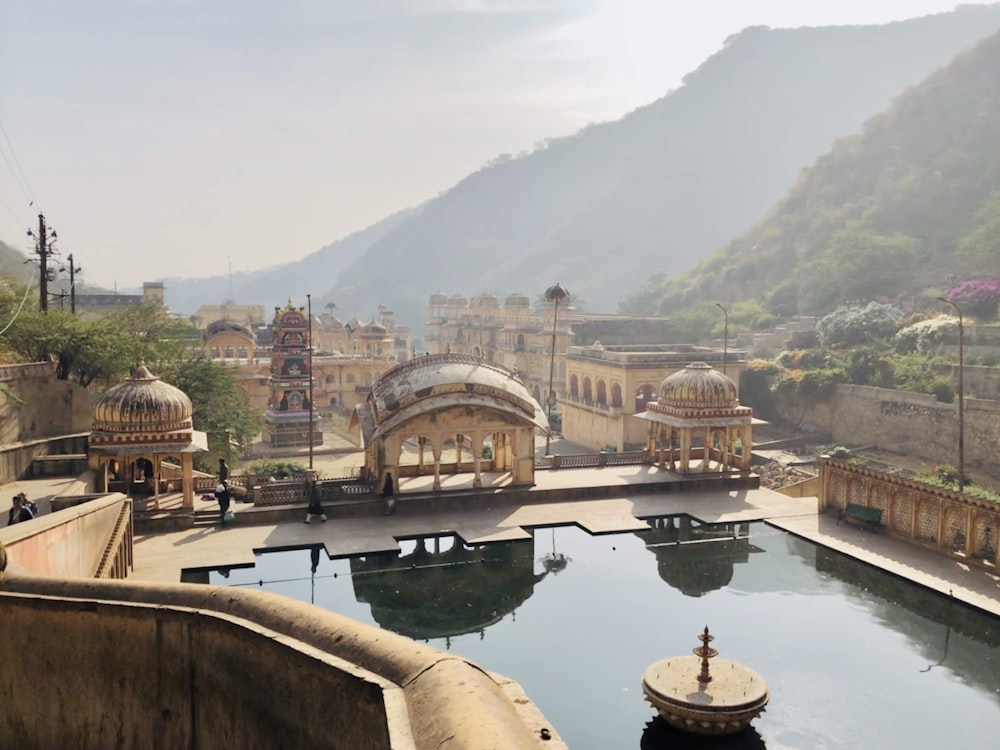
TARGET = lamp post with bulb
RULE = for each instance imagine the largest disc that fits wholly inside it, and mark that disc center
(555, 294)
(961, 394)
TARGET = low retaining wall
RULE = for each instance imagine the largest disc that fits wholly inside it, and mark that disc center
(951, 522)
(92, 664)
(70, 542)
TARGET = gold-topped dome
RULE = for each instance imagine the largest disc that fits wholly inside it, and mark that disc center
(698, 386)
(142, 404)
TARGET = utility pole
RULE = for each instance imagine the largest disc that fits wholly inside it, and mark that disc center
(73, 270)
(43, 246)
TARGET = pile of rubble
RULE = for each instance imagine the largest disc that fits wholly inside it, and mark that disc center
(775, 475)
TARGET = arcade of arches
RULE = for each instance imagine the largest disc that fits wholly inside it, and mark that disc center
(454, 401)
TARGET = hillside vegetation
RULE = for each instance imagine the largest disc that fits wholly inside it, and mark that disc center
(907, 207)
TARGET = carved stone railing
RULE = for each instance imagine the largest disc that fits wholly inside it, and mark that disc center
(592, 460)
(116, 562)
(952, 522)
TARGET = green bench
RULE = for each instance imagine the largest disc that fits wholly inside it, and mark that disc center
(862, 515)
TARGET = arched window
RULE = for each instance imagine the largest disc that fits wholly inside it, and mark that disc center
(350, 377)
(643, 396)
(215, 352)
(475, 351)
(331, 378)
(520, 342)
(616, 395)
(602, 393)
(333, 401)
(588, 391)
(574, 386)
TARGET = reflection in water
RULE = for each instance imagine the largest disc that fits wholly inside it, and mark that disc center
(659, 735)
(437, 593)
(696, 558)
(941, 632)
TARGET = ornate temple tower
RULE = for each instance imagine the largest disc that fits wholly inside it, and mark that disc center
(289, 412)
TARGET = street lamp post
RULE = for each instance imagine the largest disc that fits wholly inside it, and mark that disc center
(961, 394)
(554, 294)
(725, 336)
(309, 309)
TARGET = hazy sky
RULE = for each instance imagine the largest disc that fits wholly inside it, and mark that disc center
(177, 137)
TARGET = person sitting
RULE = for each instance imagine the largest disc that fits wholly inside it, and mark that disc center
(18, 512)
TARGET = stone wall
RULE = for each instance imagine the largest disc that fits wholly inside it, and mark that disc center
(912, 423)
(34, 404)
(69, 543)
(951, 522)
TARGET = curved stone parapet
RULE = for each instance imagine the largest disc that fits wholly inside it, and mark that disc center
(88, 662)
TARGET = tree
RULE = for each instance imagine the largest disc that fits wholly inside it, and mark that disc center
(220, 408)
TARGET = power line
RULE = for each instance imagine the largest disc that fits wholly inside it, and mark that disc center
(27, 290)
(30, 194)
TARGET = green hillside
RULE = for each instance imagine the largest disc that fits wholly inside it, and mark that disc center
(912, 203)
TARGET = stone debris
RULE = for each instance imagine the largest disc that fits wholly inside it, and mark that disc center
(775, 475)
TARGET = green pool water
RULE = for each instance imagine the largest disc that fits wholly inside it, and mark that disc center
(855, 658)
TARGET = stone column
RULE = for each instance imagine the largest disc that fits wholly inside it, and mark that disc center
(436, 451)
(458, 453)
(745, 440)
(685, 450)
(421, 442)
(477, 454)
(187, 481)
(156, 481)
(970, 533)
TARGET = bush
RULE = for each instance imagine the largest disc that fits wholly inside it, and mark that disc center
(919, 374)
(925, 336)
(851, 325)
(276, 467)
(978, 298)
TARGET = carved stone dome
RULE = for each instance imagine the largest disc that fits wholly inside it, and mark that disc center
(142, 404)
(439, 299)
(698, 386)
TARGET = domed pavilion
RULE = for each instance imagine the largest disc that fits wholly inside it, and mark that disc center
(450, 398)
(137, 425)
(697, 424)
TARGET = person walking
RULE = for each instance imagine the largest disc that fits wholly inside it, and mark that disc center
(312, 492)
(223, 470)
(222, 496)
(388, 495)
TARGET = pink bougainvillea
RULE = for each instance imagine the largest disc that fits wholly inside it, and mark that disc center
(978, 298)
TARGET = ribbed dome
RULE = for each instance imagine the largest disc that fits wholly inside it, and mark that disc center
(698, 386)
(439, 298)
(517, 300)
(142, 404)
(457, 300)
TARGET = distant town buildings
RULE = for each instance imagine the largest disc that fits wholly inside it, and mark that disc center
(598, 387)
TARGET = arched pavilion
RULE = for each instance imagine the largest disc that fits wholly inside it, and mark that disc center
(698, 416)
(450, 397)
(139, 423)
